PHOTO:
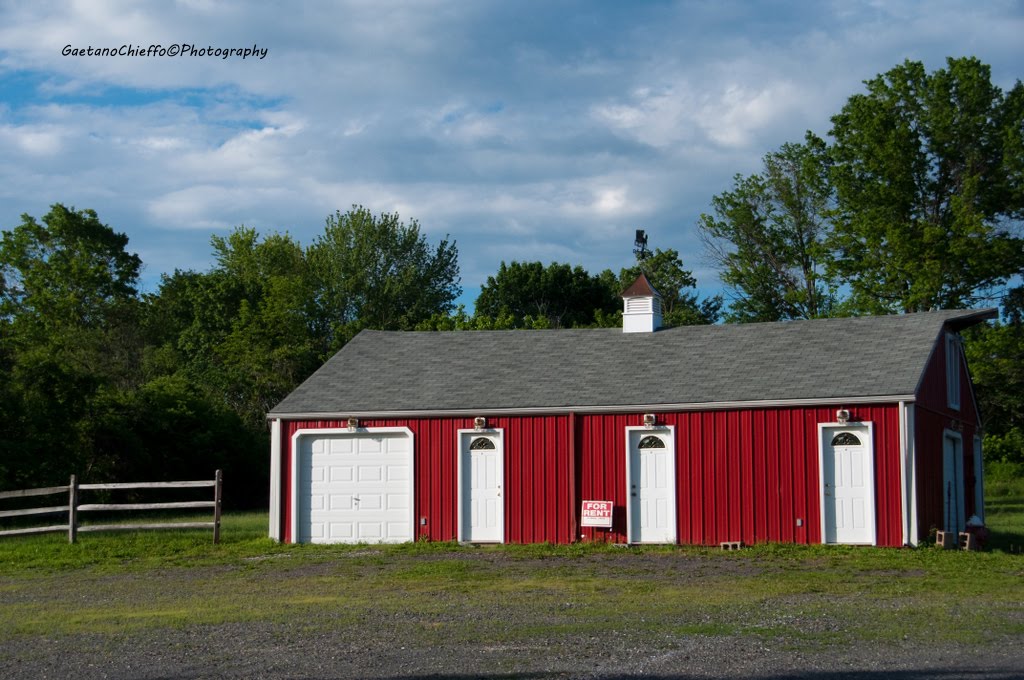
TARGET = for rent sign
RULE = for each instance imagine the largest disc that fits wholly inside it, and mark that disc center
(597, 514)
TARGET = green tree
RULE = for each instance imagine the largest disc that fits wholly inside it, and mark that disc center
(270, 346)
(71, 346)
(767, 234)
(70, 271)
(927, 172)
(223, 347)
(556, 296)
(378, 272)
(245, 330)
(70, 288)
(996, 357)
(459, 320)
(664, 269)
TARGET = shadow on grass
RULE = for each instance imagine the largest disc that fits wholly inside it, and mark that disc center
(1007, 541)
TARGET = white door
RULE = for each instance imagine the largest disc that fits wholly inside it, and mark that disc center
(651, 476)
(354, 487)
(848, 486)
(481, 471)
(954, 517)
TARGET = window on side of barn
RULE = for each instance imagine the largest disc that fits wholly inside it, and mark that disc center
(953, 370)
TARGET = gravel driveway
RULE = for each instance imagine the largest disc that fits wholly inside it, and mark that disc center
(263, 651)
(395, 642)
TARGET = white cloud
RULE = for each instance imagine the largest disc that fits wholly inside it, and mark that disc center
(161, 144)
(553, 134)
(731, 118)
(726, 111)
(34, 140)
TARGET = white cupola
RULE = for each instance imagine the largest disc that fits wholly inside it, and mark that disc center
(641, 307)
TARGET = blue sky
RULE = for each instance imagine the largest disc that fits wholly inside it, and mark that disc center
(525, 130)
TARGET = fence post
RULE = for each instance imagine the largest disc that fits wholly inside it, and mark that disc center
(217, 495)
(73, 509)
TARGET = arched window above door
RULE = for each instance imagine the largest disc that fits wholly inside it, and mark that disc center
(481, 443)
(845, 439)
(652, 442)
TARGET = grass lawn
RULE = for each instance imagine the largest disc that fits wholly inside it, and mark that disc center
(446, 593)
(1004, 513)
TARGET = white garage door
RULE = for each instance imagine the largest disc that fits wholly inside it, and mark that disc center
(355, 487)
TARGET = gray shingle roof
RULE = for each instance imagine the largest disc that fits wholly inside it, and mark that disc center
(396, 372)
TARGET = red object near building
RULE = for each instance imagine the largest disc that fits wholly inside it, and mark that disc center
(597, 514)
(848, 431)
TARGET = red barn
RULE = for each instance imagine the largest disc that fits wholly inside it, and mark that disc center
(856, 430)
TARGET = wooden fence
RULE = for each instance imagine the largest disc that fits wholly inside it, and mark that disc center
(74, 507)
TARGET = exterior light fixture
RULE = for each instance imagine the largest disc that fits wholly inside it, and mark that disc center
(479, 422)
(649, 420)
(843, 416)
(352, 424)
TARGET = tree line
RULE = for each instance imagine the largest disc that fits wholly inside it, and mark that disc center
(914, 203)
(113, 385)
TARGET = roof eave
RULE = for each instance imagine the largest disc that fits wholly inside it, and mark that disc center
(618, 408)
(959, 323)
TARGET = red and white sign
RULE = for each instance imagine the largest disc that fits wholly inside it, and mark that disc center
(597, 514)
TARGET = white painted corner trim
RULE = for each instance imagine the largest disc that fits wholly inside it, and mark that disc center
(904, 467)
(364, 431)
(908, 474)
(275, 479)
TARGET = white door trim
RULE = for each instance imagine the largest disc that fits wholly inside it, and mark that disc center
(294, 504)
(465, 437)
(829, 430)
(670, 430)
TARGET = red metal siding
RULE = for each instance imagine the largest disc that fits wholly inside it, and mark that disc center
(539, 475)
(930, 428)
(932, 392)
(741, 475)
(932, 417)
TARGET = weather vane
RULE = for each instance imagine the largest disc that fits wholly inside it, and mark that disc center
(640, 246)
